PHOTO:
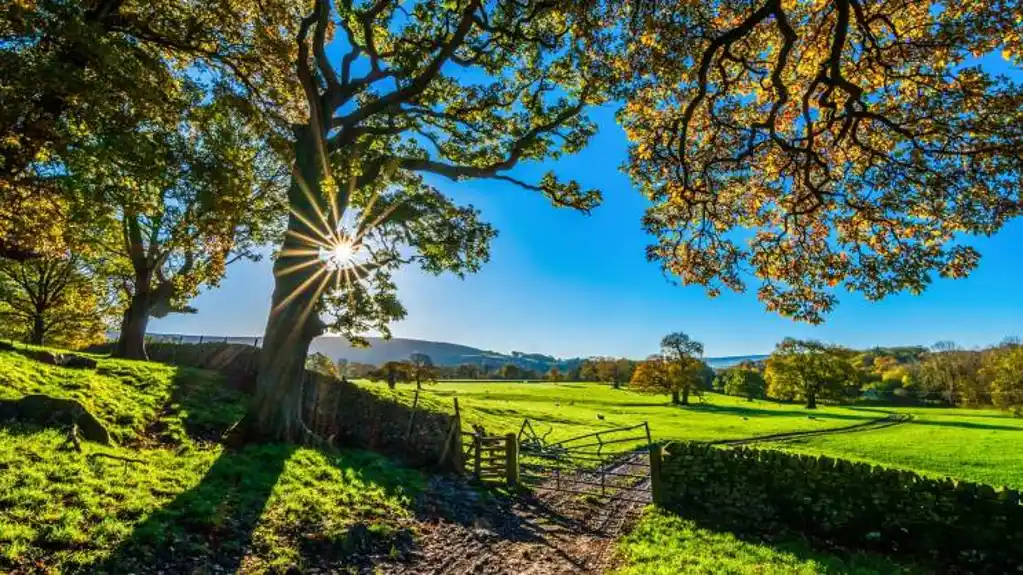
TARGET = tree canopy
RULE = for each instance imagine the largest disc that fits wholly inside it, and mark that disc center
(809, 370)
(807, 145)
(74, 69)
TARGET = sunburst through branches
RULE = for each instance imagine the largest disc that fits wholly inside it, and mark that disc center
(340, 252)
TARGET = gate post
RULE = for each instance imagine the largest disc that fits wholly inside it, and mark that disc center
(477, 441)
(511, 452)
(656, 485)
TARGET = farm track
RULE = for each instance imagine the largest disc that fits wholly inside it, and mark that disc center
(535, 533)
(874, 424)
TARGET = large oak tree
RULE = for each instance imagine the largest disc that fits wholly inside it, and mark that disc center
(456, 90)
(805, 145)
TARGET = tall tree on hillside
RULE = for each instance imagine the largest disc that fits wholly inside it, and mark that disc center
(190, 197)
(422, 369)
(73, 70)
(858, 142)
(460, 89)
(808, 370)
(57, 302)
(686, 352)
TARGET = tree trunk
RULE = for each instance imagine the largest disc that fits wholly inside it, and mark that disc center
(811, 399)
(38, 328)
(276, 410)
(685, 396)
(674, 398)
(131, 342)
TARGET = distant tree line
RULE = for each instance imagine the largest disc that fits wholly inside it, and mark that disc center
(805, 371)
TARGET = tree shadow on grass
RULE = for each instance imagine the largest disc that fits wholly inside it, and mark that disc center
(966, 425)
(209, 526)
(752, 411)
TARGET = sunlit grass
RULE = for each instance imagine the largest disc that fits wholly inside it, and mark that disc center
(665, 544)
(186, 503)
(985, 446)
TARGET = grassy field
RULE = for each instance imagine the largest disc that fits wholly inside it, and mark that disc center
(568, 409)
(974, 445)
(985, 446)
(665, 544)
(184, 501)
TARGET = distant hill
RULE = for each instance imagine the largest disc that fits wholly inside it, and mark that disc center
(442, 353)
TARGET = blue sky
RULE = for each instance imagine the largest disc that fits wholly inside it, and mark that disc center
(572, 285)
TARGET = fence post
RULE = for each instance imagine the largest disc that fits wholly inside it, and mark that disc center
(656, 483)
(412, 417)
(477, 441)
(511, 451)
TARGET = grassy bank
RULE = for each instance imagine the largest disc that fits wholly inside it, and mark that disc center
(168, 495)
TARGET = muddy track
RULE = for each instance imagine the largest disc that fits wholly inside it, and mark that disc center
(535, 533)
(884, 422)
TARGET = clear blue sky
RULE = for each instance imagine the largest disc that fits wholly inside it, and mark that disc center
(566, 284)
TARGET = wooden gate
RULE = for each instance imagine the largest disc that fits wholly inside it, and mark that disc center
(612, 463)
(492, 458)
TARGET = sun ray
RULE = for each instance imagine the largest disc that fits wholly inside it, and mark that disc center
(299, 252)
(296, 267)
(311, 304)
(309, 240)
(367, 210)
(362, 231)
(327, 238)
(317, 209)
(298, 291)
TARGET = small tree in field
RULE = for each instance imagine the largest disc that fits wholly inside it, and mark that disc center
(808, 370)
(743, 382)
(685, 352)
(658, 374)
(393, 372)
(422, 369)
(554, 374)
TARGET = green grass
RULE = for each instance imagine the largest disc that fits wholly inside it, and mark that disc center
(975, 445)
(984, 446)
(569, 409)
(188, 503)
(665, 544)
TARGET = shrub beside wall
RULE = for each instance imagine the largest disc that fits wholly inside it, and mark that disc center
(956, 525)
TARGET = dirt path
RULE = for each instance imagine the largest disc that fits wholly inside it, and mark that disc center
(543, 532)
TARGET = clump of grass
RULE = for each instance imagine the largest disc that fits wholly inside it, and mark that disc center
(662, 543)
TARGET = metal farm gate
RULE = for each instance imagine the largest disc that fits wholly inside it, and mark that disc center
(611, 463)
